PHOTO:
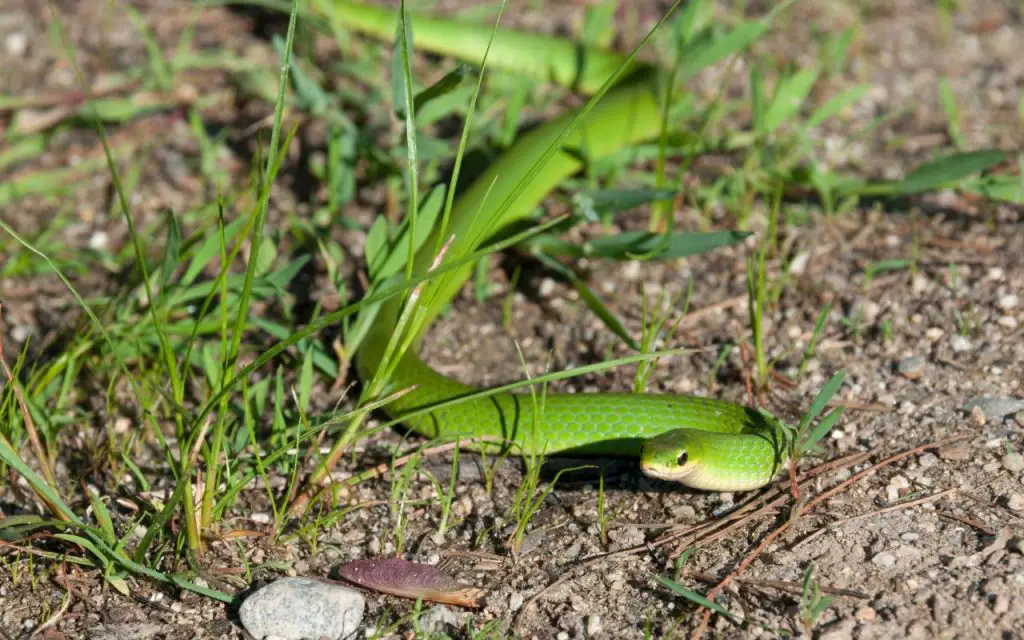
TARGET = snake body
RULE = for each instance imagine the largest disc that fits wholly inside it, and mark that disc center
(700, 442)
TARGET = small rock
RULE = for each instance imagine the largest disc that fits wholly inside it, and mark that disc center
(919, 284)
(438, 617)
(1013, 462)
(594, 626)
(16, 44)
(1008, 322)
(1001, 605)
(99, 240)
(960, 344)
(884, 559)
(993, 408)
(995, 273)
(515, 601)
(1009, 301)
(865, 614)
(683, 511)
(1015, 502)
(562, 635)
(978, 415)
(798, 264)
(934, 333)
(298, 608)
(898, 485)
(20, 333)
(547, 287)
(911, 368)
(631, 270)
(928, 460)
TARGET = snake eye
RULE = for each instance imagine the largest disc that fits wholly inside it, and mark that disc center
(681, 460)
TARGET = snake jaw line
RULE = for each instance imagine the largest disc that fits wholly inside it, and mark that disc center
(669, 473)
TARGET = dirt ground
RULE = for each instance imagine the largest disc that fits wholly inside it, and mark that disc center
(930, 546)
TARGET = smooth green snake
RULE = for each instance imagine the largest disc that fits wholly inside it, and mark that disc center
(700, 442)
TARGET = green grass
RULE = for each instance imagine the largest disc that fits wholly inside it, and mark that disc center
(812, 602)
(207, 353)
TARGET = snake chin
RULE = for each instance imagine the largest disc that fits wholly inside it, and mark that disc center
(671, 474)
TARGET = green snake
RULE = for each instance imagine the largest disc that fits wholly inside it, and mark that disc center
(700, 442)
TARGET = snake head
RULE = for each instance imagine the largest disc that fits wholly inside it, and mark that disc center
(674, 455)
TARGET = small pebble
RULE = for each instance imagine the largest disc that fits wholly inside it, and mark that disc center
(798, 264)
(515, 601)
(1008, 322)
(960, 344)
(99, 240)
(898, 485)
(16, 44)
(562, 635)
(1002, 605)
(297, 608)
(1013, 462)
(594, 626)
(911, 368)
(865, 614)
(547, 287)
(884, 559)
(20, 333)
(978, 415)
(1009, 301)
(919, 283)
(1015, 502)
(928, 460)
(684, 511)
(933, 333)
(994, 408)
(631, 270)
(436, 618)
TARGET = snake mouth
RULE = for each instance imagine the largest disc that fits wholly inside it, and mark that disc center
(665, 472)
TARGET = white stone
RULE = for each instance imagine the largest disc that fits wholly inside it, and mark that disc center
(960, 344)
(515, 601)
(16, 44)
(298, 608)
(1008, 322)
(1015, 502)
(436, 618)
(1013, 462)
